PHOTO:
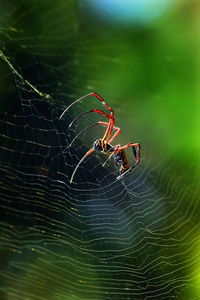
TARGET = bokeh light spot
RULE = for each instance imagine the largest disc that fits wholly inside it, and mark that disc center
(128, 12)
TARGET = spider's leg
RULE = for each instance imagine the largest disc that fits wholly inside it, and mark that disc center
(110, 124)
(91, 150)
(116, 134)
(77, 166)
(93, 125)
(102, 101)
(113, 127)
(134, 152)
(88, 95)
(107, 159)
(133, 145)
(109, 130)
(90, 111)
(115, 150)
(84, 130)
(111, 116)
(118, 130)
(68, 107)
(112, 120)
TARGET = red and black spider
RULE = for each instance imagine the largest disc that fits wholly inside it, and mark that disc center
(104, 144)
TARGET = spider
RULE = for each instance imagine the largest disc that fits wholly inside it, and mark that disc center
(104, 144)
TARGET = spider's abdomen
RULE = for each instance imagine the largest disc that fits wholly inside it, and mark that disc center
(121, 161)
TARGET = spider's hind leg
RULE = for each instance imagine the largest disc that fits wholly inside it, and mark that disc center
(134, 152)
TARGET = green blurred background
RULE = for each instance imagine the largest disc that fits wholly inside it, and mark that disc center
(145, 65)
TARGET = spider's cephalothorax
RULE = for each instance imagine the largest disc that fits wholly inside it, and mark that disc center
(100, 146)
(104, 144)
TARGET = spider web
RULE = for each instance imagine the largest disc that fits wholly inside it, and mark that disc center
(97, 238)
